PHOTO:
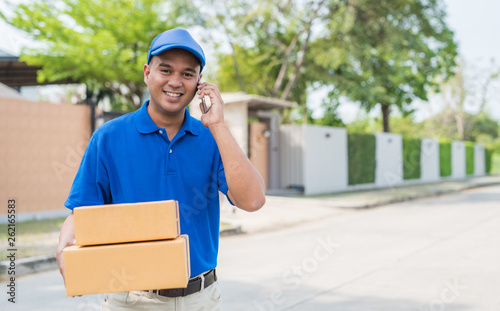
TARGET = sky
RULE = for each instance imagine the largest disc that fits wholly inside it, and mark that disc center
(476, 25)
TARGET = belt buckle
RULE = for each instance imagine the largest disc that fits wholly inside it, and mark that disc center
(156, 292)
(202, 284)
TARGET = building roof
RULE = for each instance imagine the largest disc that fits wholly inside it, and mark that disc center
(14, 73)
(257, 102)
(6, 56)
(7, 92)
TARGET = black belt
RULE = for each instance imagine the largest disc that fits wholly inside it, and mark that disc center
(194, 286)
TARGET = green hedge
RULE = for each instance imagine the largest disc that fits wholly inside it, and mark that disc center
(361, 158)
(469, 158)
(444, 158)
(411, 158)
(488, 152)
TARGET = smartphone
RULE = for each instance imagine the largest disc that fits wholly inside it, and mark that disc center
(203, 104)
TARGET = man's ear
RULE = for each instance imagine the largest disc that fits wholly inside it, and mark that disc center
(147, 71)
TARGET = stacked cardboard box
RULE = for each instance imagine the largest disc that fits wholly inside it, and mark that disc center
(124, 247)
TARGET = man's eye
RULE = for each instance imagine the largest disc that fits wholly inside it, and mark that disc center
(188, 75)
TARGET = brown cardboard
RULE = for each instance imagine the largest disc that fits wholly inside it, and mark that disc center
(126, 267)
(118, 223)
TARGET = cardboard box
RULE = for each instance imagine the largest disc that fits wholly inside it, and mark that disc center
(118, 223)
(128, 266)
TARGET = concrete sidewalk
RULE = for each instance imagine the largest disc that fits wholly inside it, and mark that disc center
(283, 211)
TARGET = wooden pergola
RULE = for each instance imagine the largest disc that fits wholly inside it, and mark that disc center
(16, 74)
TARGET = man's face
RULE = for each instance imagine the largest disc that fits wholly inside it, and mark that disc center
(172, 80)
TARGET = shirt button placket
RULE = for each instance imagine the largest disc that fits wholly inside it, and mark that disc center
(170, 162)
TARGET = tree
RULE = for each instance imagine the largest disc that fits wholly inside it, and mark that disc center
(100, 43)
(372, 52)
(386, 53)
(330, 118)
(268, 42)
(485, 129)
(465, 90)
(406, 126)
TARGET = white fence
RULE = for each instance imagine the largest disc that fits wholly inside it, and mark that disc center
(458, 160)
(479, 160)
(429, 160)
(315, 158)
(389, 159)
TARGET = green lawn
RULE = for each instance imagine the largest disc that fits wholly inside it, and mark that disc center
(33, 238)
(32, 227)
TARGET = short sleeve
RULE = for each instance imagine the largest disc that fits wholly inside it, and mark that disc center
(91, 183)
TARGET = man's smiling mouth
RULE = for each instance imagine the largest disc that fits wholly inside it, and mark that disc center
(173, 94)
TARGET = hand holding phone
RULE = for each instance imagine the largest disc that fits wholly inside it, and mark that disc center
(203, 104)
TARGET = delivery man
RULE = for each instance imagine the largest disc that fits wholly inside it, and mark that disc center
(160, 152)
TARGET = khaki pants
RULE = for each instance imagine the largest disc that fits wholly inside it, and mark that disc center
(207, 299)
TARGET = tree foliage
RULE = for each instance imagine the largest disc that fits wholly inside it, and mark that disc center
(483, 129)
(463, 92)
(268, 42)
(100, 43)
(372, 52)
(387, 53)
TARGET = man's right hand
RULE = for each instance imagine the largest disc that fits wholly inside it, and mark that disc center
(66, 238)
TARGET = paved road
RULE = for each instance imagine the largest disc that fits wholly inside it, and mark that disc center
(433, 254)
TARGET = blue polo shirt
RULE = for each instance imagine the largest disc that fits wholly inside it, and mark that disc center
(130, 159)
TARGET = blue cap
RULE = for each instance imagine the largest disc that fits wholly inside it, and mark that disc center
(176, 38)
